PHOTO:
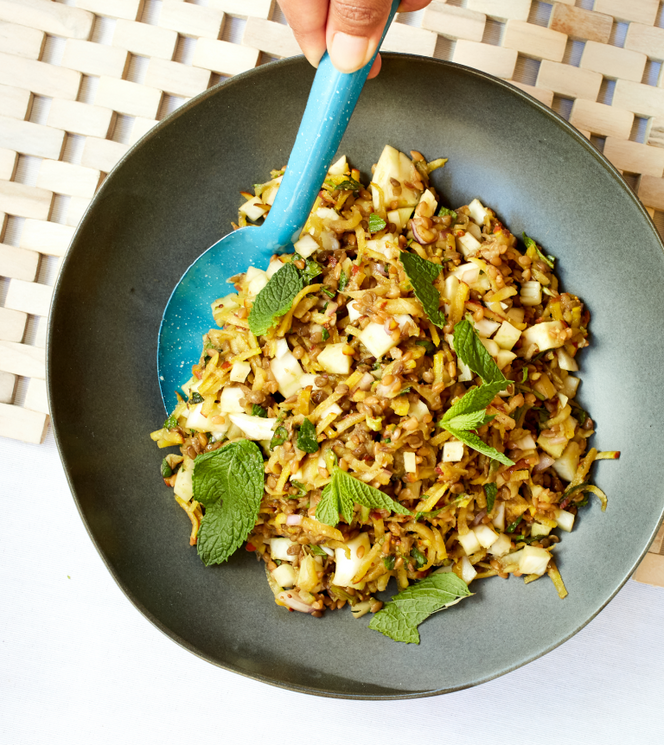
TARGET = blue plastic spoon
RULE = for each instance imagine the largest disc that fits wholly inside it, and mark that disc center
(187, 315)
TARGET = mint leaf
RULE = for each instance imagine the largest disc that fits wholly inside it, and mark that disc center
(446, 211)
(474, 402)
(473, 353)
(279, 437)
(376, 223)
(401, 616)
(530, 244)
(171, 422)
(275, 298)
(421, 274)
(306, 437)
(490, 491)
(344, 491)
(229, 483)
(349, 185)
(316, 550)
(166, 470)
(311, 270)
(257, 410)
(476, 443)
(472, 420)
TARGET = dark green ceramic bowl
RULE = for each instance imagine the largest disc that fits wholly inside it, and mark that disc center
(176, 193)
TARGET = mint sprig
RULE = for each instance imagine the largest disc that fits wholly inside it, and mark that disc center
(402, 615)
(477, 443)
(229, 483)
(421, 275)
(275, 299)
(344, 491)
(473, 353)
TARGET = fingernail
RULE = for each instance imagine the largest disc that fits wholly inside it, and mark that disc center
(349, 53)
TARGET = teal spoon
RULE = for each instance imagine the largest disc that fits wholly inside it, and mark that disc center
(187, 315)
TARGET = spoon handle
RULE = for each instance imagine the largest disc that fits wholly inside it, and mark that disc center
(331, 102)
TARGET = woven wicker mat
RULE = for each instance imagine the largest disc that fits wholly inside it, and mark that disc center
(82, 80)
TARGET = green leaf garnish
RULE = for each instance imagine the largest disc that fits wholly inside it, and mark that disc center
(257, 410)
(344, 491)
(429, 346)
(166, 470)
(513, 526)
(490, 492)
(275, 299)
(420, 558)
(421, 274)
(473, 353)
(349, 185)
(532, 247)
(343, 281)
(229, 483)
(376, 223)
(329, 292)
(324, 334)
(446, 211)
(306, 437)
(279, 437)
(402, 615)
(476, 443)
(311, 270)
(171, 422)
(472, 404)
(316, 550)
(389, 561)
(196, 398)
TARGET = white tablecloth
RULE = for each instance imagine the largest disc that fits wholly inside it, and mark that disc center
(80, 665)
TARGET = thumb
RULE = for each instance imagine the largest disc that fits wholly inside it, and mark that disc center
(354, 28)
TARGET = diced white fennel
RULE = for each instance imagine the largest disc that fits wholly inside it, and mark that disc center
(275, 266)
(450, 287)
(538, 529)
(307, 578)
(400, 217)
(409, 464)
(309, 379)
(534, 560)
(201, 423)
(564, 520)
(329, 240)
(327, 214)
(507, 335)
(468, 273)
(306, 245)
(465, 373)
(339, 167)
(475, 231)
(239, 371)
(346, 568)
(229, 401)
(504, 357)
(566, 465)
(499, 519)
(190, 386)
(270, 191)
(427, 205)
(468, 244)
(477, 211)
(527, 442)
(419, 409)
(531, 292)
(285, 576)
(254, 427)
(452, 451)
(184, 485)
(279, 549)
(469, 542)
(468, 572)
(387, 246)
(501, 546)
(332, 409)
(394, 164)
(353, 312)
(491, 347)
(516, 315)
(288, 373)
(376, 339)
(291, 599)
(403, 319)
(545, 335)
(333, 359)
(570, 385)
(361, 609)
(566, 361)
(563, 399)
(486, 327)
(254, 208)
(281, 348)
(256, 279)
(485, 535)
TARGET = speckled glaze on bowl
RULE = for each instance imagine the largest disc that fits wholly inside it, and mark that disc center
(176, 193)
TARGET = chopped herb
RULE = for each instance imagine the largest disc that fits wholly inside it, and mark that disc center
(325, 334)
(490, 491)
(427, 515)
(208, 345)
(428, 346)
(524, 377)
(280, 436)
(306, 437)
(349, 185)
(420, 558)
(311, 270)
(316, 550)
(329, 292)
(257, 410)
(405, 390)
(376, 223)
(446, 211)
(533, 248)
(388, 562)
(343, 281)
(166, 470)
(171, 422)
(513, 526)
(196, 398)
(300, 486)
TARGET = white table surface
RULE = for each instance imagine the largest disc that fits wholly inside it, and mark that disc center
(79, 664)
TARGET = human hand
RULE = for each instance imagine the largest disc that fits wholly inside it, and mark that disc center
(349, 29)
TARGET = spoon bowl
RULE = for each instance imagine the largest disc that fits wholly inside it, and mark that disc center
(186, 318)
